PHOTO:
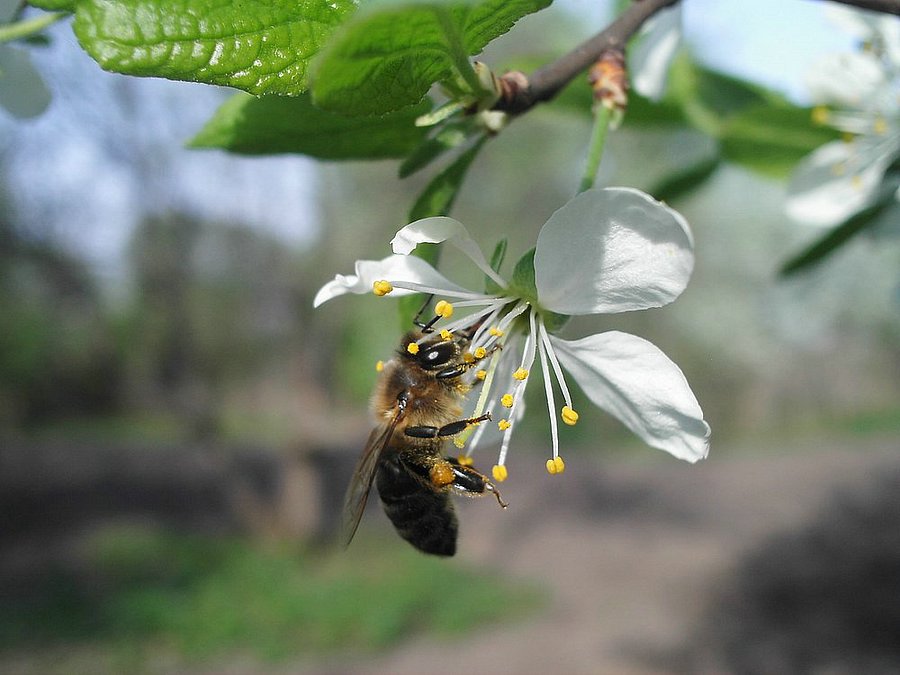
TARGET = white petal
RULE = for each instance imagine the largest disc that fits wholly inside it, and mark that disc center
(837, 181)
(393, 268)
(651, 57)
(851, 79)
(442, 229)
(612, 250)
(634, 381)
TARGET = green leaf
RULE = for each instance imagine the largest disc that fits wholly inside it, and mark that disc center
(437, 197)
(277, 124)
(261, 46)
(679, 183)
(448, 137)
(55, 5)
(389, 53)
(834, 239)
(772, 139)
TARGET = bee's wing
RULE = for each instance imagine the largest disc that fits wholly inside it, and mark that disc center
(363, 475)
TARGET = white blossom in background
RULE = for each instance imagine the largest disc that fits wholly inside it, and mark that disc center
(858, 93)
(656, 46)
(606, 251)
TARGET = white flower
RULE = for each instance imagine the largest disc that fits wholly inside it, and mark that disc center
(859, 93)
(652, 55)
(607, 250)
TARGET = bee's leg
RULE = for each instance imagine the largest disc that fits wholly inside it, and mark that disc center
(426, 328)
(447, 430)
(472, 483)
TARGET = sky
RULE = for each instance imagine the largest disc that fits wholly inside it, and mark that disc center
(66, 168)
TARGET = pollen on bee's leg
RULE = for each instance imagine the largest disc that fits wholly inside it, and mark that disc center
(382, 287)
(499, 473)
(442, 474)
(459, 443)
(555, 466)
(464, 460)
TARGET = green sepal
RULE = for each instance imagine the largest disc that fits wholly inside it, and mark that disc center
(266, 125)
(497, 257)
(523, 285)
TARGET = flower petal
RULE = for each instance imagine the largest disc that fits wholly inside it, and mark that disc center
(652, 55)
(612, 250)
(847, 79)
(634, 381)
(442, 229)
(837, 181)
(393, 268)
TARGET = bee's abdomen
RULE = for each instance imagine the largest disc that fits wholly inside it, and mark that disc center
(425, 518)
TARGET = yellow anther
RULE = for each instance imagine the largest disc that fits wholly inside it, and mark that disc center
(446, 335)
(412, 348)
(468, 358)
(481, 374)
(848, 137)
(480, 352)
(443, 309)
(459, 443)
(880, 126)
(379, 366)
(496, 332)
(856, 181)
(569, 416)
(499, 472)
(464, 460)
(520, 374)
(504, 425)
(506, 400)
(820, 114)
(382, 287)
(555, 465)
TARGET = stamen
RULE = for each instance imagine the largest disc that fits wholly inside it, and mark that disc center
(545, 339)
(496, 332)
(480, 375)
(504, 425)
(379, 366)
(820, 114)
(446, 335)
(555, 465)
(521, 374)
(468, 357)
(480, 353)
(412, 348)
(506, 400)
(464, 460)
(569, 416)
(551, 404)
(443, 309)
(499, 472)
(382, 287)
(880, 126)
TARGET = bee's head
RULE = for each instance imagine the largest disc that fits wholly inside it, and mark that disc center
(433, 353)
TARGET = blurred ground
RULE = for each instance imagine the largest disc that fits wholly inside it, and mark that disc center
(636, 555)
(639, 557)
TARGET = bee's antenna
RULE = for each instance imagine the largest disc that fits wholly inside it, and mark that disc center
(426, 327)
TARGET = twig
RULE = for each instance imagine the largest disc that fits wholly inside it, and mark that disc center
(522, 92)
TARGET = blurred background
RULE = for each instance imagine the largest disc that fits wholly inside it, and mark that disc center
(177, 425)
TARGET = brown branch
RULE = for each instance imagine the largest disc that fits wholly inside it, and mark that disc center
(885, 6)
(522, 93)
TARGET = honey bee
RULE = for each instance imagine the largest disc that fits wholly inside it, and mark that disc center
(418, 401)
